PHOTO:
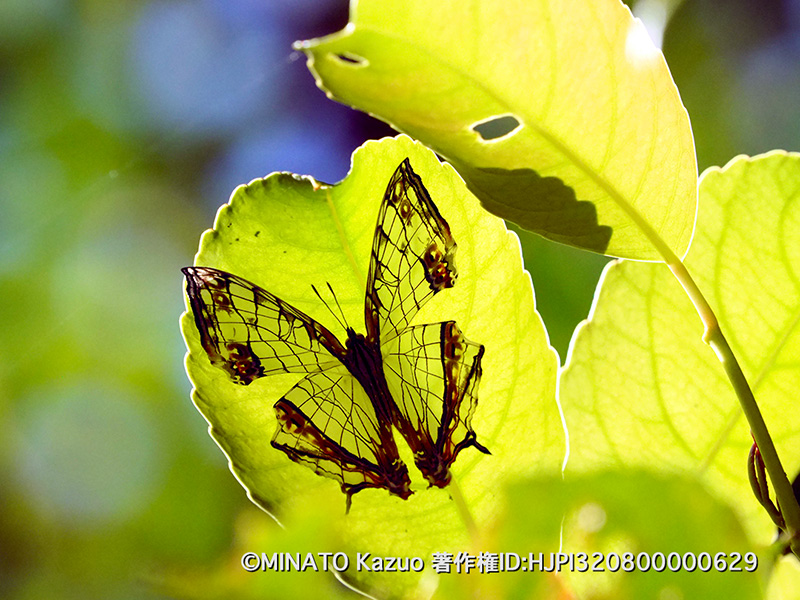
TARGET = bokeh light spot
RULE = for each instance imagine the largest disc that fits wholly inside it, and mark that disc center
(88, 454)
(194, 73)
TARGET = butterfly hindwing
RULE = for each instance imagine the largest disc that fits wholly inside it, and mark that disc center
(249, 333)
(435, 389)
(412, 256)
(327, 422)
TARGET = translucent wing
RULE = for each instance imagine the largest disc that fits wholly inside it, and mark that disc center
(412, 256)
(433, 372)
(327, 422)
(249, 333)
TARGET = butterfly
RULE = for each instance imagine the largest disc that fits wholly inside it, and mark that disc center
(420, 379)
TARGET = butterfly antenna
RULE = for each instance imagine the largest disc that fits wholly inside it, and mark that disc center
(341, 312)
(342, 321)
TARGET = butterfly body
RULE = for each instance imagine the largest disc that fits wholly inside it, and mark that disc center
(364, 362)
(419, 379)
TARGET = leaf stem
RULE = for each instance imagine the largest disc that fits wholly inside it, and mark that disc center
(714, 337)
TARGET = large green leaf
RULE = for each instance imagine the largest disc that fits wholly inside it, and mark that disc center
(602, 157)
(640, 387)
(286, 233)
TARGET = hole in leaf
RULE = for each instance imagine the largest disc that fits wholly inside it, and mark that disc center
(496, 127)
(354, 60)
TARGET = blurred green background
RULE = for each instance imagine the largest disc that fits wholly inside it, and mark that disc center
(123, 126)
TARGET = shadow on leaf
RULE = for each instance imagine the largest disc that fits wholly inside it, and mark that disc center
(543, 205)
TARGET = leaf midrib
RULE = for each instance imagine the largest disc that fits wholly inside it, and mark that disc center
(344, 240)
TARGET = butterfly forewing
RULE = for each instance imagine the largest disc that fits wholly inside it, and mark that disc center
(249, 332)
(327, 422)
(435, 388)
(412, 256)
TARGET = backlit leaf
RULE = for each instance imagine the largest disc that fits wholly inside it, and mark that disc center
(642, 389)
(561, 115)
(285, 233)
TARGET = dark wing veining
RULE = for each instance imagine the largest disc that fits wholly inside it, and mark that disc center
(412, 256)
(249, 333)
(433, 373)
(327, 422)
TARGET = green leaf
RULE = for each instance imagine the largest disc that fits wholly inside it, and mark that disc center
(286, 233)
(785, 579)
(641, 388)
(630, 511)
(602, 157)
(614, 512)
(223, 579)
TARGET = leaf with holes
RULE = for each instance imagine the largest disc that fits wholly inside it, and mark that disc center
(560, 115)
(640, 388)
(284, 234)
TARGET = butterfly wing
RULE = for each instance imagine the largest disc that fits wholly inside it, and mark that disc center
(249, 333)
(412, 256)
(434, 372)
(327, 422)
